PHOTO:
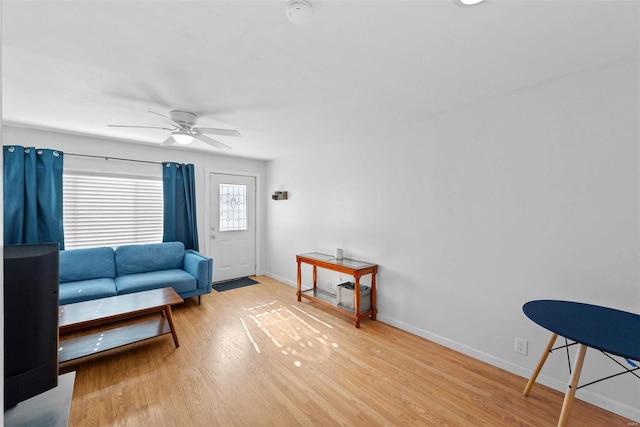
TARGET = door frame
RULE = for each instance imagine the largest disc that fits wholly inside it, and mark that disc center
(258, 209)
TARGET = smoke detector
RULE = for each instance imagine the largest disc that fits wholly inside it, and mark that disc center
(299, 11)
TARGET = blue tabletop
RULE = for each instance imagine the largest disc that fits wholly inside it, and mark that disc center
(607, 329)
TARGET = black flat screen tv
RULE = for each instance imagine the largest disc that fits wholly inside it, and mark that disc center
(30, 321)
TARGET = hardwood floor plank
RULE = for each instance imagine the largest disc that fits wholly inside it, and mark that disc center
(257, 356)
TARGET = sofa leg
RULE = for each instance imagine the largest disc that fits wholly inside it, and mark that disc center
(199, 299)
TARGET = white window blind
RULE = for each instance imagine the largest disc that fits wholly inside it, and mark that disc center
(111, 210)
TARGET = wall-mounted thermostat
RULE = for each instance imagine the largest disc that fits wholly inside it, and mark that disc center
(279, 195)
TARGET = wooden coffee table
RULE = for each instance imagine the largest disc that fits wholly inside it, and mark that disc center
(99, 312)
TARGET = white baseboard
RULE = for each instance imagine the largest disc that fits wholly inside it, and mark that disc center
(281, 279)
(586, 395)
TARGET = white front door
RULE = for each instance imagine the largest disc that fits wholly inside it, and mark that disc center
(232, 225)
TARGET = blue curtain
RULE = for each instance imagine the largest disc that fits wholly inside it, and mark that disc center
(32, 179)
(179, 190)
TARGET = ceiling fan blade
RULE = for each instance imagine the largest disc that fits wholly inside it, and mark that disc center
(215, 131)
(159, 114)
(179, 126)
(212, 142)
(140, 127)
(168, 141)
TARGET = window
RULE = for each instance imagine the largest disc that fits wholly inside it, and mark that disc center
(233, 207)
(111, 210)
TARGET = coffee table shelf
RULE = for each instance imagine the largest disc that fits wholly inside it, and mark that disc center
(87, 345)
(106, 311)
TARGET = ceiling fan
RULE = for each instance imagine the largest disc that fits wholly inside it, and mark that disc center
(184, 130)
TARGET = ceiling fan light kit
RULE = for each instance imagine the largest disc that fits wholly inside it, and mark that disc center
(182, 137)
(466, 3)
(184, 130)
(299, 12)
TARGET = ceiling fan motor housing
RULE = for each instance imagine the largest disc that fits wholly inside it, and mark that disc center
(183, 118)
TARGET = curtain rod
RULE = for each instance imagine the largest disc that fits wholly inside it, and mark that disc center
(114, 158)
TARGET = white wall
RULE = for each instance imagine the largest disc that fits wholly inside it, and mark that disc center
(470, 214)
(100, 147)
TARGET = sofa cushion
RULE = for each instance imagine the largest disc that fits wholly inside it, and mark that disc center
(84, 290)
(85, 264)
(179, 280)
(133, 259)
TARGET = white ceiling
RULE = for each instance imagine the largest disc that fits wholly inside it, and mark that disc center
(356, 67)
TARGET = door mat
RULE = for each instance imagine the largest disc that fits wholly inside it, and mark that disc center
(234, 284)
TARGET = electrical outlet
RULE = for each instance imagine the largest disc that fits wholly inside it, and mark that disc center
(521, 346)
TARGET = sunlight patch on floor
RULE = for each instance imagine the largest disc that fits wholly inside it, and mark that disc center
(287, 329)
(246, 330)
(313, 317)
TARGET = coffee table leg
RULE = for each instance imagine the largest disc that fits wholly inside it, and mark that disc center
(573, 384)
(167, 310)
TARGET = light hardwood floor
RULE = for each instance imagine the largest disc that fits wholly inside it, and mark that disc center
(255, 356)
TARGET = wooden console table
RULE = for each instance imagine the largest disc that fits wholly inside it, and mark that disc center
(354, 268)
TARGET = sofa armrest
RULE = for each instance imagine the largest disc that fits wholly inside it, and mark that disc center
(199, 267)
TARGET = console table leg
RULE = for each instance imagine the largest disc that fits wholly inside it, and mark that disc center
(356, 295)
(541, 363)
(573, 384)
(167, 310)
(374, 310)
(299, 288)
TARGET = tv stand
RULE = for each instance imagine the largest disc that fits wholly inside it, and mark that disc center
(50, 408)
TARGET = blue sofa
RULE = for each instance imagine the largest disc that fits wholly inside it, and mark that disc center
(94, 273)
